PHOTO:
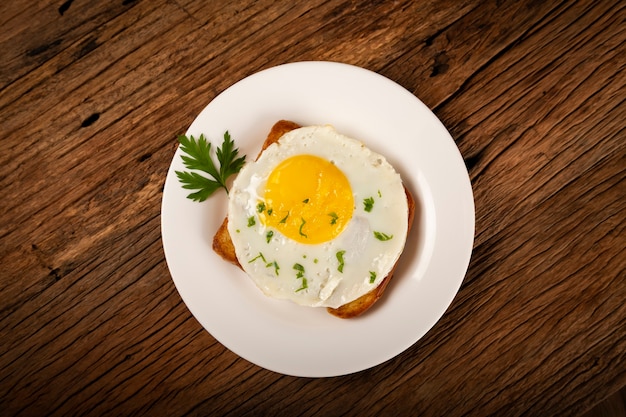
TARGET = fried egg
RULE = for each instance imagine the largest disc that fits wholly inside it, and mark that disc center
(318, 218)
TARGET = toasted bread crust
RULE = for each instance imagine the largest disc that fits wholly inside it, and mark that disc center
(223, 245)
(278, 130)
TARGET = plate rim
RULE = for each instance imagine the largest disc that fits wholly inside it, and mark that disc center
(328, 66)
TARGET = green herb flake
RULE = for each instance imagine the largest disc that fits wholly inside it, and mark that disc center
(379, 194)
(368, 204)
(298, 267)
(301, 226)
(196, 155)
(339, 256)
(305, 201)
(372, 277)
(268, 236)
(382, 236)
(275, 265)
(300, 274)
(333, 217)
(270, 211)
(259, 256)
(284, 219)
(260, 208)
(304, 285)
(251, 221)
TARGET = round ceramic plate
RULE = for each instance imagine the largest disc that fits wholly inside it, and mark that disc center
(302, 341)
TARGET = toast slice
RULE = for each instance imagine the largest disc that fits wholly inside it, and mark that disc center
(223, 245)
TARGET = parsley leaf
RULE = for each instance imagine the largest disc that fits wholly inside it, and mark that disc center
(198, 157)
(195, 181)
(226, 156)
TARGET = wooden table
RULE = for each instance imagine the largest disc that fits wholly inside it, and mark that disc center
(93, 94)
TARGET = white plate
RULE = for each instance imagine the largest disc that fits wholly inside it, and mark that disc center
(301, 341)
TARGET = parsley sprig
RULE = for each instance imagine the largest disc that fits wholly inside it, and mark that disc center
(198, 157)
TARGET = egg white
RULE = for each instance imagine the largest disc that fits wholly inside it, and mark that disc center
(271, 264)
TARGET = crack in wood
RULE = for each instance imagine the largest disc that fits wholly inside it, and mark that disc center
(65, 7)
(43, 48)
(90, 120)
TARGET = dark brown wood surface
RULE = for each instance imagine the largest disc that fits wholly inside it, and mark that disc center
(93, 93)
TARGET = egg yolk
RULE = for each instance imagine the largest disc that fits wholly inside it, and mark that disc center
(308, 199)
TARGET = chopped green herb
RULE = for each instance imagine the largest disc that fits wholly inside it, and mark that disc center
(284, 219)
(304, 285)
(315, 260)
(333, 217)
(305, 201)
(259, 256)
(270, 211)
(339, 256)
(300, 270)
(260, 208)
(382, 236)
(379, 194)
(298, 267)
(368, 204)
(372, 277)
(198, 157)
(251, 221)
(301, 226)
(268, 236)
(275, 265)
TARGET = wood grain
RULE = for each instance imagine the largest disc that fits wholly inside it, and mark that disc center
(92, 95)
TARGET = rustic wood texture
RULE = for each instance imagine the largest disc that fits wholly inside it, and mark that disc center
(93, 93)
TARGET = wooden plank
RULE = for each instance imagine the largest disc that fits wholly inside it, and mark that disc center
(36, 32)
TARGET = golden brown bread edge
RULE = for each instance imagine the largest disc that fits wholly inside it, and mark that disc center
(223, 245)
